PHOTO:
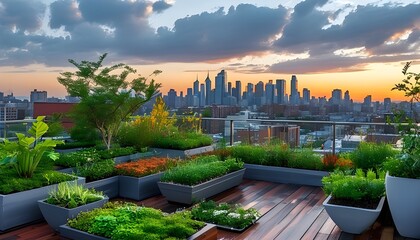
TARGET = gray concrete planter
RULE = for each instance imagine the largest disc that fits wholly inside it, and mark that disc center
(208, 232)
(56, 215)
(172, 153)
(109, 186)
(284, 175)
(189, 194)
(131, 157)
(21, 208)
(403, 196)
(139, 188)
(351, 219)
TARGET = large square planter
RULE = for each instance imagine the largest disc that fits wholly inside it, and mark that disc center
(403, 195)
(21, 208)
(139, 188)
(173, 153)
(284, 175)
(352, 219)
(208, 232)
(109, 186)
(56, 215)
(189, 194)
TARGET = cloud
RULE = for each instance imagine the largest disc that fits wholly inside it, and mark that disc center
(21, 15)
(64, 13)
(160, 6)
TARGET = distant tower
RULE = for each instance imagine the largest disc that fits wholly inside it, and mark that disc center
(281, 91)
(269, 92)
(294, 95)
(220, 88)
(38, 96)
(336, 96)
(250, 94)
(259, 96)
(229, 91)
(208, 89)
(306, 96)
(238, 86)
(196, 87)
(172, 98)
(202, 95)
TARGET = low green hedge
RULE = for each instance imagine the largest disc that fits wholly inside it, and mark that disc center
(182, 141)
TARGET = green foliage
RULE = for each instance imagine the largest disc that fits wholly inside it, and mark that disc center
(128, 221)
(305, 159)
(55, 128)
(359, 187)
(200, 170)
(182, 140)
(82, 131)
(96, 170)
(26, 153)
(116, 152)
(103, 104)
(410, 84)
(371, 155)
(77, 144)
(138, 135)
(270, 155)
(71, 195)
(224, 214)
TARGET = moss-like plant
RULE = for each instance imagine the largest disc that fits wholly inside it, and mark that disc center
(305, 159)
(356, 190)
(371, 155)
(96, 170)
(71, 195)
(129, 221)
(200, 170)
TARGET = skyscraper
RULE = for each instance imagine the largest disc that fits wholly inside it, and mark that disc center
(38, 96)
(196, 87)
(220, 88)
(336, 96)
(269, 92)
(208, 89)
(281, 90)
(202, 95)
(294, 95)
(172, 98)
(306, 96)
(238, 86)
(229, 91)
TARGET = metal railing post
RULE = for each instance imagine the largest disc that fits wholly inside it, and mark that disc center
(231, 132)
(333, 143)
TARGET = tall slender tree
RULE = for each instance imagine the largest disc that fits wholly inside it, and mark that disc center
(107, 98)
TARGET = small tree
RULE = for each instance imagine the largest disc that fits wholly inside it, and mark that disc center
(107, 99)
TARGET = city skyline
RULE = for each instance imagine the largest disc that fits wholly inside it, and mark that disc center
(325, 43)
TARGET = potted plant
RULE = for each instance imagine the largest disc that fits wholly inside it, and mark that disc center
(200, 178)
(30, 178)
(225, 215)
(355, 201)
(68, 200)
(129, 221)
(138, 179)
(403, 179)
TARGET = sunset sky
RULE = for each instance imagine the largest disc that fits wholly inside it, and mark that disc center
(360, 46)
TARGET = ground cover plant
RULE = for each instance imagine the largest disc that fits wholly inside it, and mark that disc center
(371, 155)
(71, 195)
(362, 190)
(305, 159)
(270, 155)
(200, 170)
(224, 214)
(96, 170)
(129, 221)
(76, 144)
(182, 141)
(144, 167)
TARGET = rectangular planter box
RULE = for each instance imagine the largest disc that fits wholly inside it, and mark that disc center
(22, 207)
(139, 188)
(172, 153)
(208, 232)
(131, 157)
(284, 175)
(189, 194)
(109, 186)
(56, 215)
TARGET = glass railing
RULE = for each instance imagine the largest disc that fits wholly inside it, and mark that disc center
(8, 129)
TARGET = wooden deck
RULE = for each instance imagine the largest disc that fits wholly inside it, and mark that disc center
(288, 212)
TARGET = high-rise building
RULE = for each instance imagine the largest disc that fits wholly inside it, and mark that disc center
(306, 96)
(172, 98)
(250, 94)
(294, 94)
(202, 95)
(269, 92)
(336, 96)
(38, 96)
(190, 97)
(229, 89)
(208, 89)
(238, 87)
(259, 96)
(220, 88)
(196, 89)
(281, 90)
(387, 104)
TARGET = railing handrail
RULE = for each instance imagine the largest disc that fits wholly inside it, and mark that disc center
(17, 121)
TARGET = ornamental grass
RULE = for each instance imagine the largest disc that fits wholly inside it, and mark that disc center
(144, 167)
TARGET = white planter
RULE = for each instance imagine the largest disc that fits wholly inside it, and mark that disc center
(403, 196)
(352, 219)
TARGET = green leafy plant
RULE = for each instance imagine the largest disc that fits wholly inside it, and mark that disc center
(96, 170)
(71, 195)
(371, 155)
(200, 170)
(118, 220)
(225, 214)
(359, 190)
(76, 144)
(81, 157)
(182, 140)
(26, 153)
(305, 159)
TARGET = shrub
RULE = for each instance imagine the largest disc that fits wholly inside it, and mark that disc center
(76, 144)
(96, 170)
(305, 159)
(136, 134)
(371, 155)
(78, 158)
(200, 170)
(270, 155)
(144, 167)
(182, 140)
(116, 152)
(229, 215)
(129, 221)
(355, 190)
(330, 160)
(71, 195)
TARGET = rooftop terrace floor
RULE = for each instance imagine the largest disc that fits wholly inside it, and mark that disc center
(288, 212)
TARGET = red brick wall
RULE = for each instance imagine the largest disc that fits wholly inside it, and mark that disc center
(47, 109)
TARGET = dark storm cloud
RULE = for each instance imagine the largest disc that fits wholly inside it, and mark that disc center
(64, 13)
(160, 6)
(22, 14)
